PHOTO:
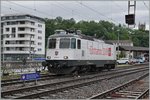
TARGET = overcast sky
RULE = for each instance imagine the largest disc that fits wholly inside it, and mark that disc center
(113, 11)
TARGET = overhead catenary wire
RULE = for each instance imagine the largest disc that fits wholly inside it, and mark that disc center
(72, 11)
(146, 5)
(11, 9)
(31, 9)
(119, 6)
(96, 12)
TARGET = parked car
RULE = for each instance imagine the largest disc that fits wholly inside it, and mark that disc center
(140, 60)
(123, 61)
(133, 60)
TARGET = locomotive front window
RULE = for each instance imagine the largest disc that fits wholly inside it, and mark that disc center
(52, 43)
(73, 43)
(64, 43)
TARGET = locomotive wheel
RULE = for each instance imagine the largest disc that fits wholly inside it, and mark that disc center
(108, 67)
(88, 68)
(93, 68)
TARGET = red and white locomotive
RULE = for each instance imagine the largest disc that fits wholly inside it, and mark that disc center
(70, 51)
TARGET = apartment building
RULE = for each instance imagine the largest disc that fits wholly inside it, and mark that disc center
(23, 36)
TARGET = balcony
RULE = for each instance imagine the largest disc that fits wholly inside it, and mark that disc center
(19, 45)
(26, 32)
(29, 25)
(16, 52)
(20, 38)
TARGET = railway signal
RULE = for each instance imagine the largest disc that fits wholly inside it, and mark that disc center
(130, 17)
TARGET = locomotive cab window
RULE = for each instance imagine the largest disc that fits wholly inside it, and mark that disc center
(64, 43)
(73, 43)
(79, 44)
(52, 43)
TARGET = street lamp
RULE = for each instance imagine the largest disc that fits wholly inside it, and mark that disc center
(33, 53)
(118, 39)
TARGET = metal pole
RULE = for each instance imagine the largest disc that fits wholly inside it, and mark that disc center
(0, 37)
(3, 48)
(30, 48)
(118, 44)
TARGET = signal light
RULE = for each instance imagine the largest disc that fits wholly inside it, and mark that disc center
(130, 19)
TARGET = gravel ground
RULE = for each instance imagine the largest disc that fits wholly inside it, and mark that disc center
(99, 87)
(140, 86)
(15, 86)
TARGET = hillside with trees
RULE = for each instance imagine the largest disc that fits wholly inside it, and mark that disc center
(102, 29)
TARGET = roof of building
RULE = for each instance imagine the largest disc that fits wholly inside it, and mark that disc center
(22, 14)
(120, 41)
(132, 48)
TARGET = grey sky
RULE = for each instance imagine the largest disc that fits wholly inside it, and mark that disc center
(113, 11)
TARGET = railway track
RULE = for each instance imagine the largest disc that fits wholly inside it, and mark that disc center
(41, 90)
(44, 77)
(133, 89)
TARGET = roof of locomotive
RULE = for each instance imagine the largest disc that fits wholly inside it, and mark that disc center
(62, 33)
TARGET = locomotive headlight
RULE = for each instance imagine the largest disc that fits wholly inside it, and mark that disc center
(65, 57)
(48, 57)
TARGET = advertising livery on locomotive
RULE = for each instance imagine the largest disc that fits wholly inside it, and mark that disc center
(70, 51)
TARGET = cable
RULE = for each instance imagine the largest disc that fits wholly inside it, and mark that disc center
(146, 5)
(68, 10)
(119, 6)
(12, 9)
(30, 8)
(96, 11)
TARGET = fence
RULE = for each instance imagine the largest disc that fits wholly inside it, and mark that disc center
(19, 67)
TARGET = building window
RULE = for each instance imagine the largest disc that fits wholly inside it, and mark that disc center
(3, 18)
(39, 43)
(8, 23)
(13, 35)
(39, 49)
(21, 29)
(39, 37)
(39, 31)
(32, 23)
(7, 18)
(7, 35)
(22, 22)
(1, 30)
(13, 30)
(39, 25)
(32, 29)
(21, 17)
(21, 35)
(7, 29)
(13, 23)
(7, 48)
(7, 42)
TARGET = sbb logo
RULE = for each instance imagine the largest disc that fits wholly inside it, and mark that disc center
(56, 53)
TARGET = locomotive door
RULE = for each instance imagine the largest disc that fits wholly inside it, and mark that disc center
(89, 49)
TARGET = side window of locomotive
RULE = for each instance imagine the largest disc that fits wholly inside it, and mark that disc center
(79, 44)
(52, 43)
(73, 43)
(64, 43)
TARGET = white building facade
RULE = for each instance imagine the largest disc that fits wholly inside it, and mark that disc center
(23, 36)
